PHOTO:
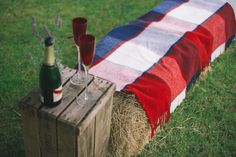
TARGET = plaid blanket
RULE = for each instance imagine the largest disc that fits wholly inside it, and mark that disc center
(160, 55)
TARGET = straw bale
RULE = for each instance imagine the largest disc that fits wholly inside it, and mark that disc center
(130, 129)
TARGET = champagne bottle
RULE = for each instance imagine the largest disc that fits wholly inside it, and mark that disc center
(50, 78)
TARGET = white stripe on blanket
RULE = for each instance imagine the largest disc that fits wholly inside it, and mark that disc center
(120, 75)
(177, 101)
(134, 56)
(218, 52)
(190, 14)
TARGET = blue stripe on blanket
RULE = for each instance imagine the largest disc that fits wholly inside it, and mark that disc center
(124, 33)
(106, 45)
(146, 19)
(157, 12)
(151, 16)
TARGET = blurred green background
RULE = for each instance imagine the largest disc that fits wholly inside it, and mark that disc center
(204, 125)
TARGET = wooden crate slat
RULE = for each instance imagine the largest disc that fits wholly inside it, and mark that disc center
(86, 141)
(30, 123)
(103, 124)
(47, 135)
(100, 104)
(30, 131)
(66, 73)
(67, 144)
(102, 115)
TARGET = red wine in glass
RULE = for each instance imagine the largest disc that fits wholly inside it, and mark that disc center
(79, 28)
(87, 49)
(79, 25)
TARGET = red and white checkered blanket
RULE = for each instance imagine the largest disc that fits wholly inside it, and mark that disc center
(158, 56)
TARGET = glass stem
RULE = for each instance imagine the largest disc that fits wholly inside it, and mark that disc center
(79, 60)
(86, 82)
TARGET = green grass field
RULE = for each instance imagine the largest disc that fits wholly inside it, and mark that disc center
(204, 125)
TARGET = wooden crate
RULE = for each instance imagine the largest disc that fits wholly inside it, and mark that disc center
(71, 129)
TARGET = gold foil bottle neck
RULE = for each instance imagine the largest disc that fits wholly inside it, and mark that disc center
(49, 56)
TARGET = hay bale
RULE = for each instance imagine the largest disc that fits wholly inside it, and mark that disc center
(130, 129)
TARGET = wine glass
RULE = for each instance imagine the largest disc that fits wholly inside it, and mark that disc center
(79, 25)
(87, 48)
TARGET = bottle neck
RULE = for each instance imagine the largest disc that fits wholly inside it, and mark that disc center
(49, 56)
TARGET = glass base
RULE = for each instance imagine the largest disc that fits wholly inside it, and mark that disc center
(84, 97)
(78, 79)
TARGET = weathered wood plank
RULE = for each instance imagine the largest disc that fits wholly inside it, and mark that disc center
(67, 135)
(47, 135)
(66, 73)
(86, 141)
(101, 113)
(102, 131)
(30, 127)
(100, 104)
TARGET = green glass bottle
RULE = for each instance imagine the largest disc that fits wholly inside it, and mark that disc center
(50, 77)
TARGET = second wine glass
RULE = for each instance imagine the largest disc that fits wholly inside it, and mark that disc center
(87, 48)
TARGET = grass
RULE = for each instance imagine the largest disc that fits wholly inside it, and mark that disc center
(204, 125)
